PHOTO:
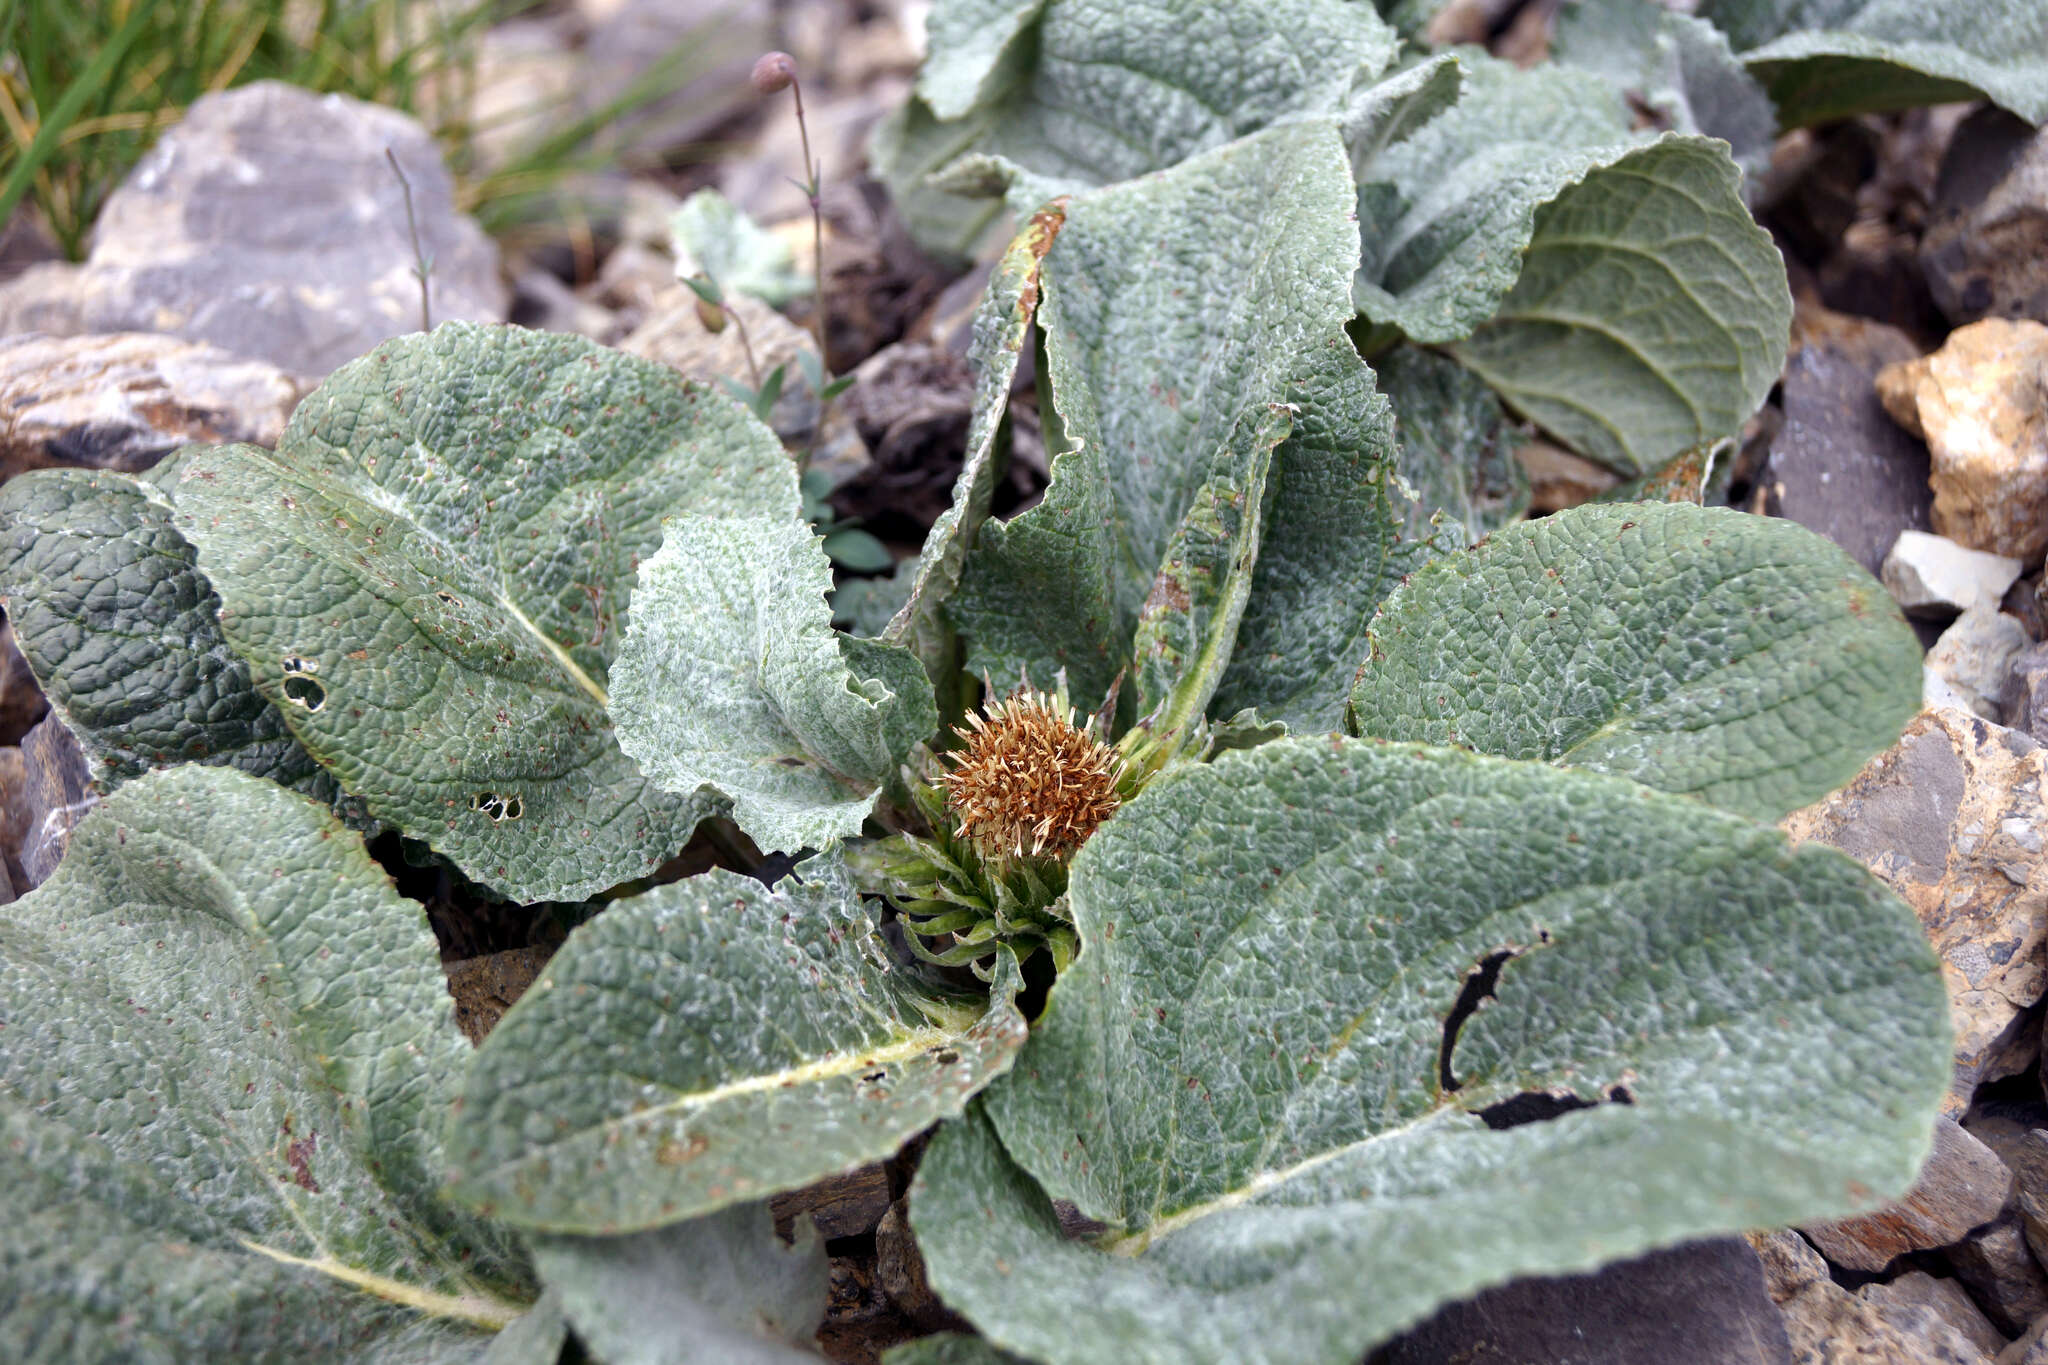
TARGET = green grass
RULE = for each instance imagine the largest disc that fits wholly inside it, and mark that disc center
(86, 86)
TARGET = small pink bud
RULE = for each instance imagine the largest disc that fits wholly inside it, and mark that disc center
(775, 71)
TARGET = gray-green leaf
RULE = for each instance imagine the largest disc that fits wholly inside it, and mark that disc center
(427, 579)
(122, 631)
(225, 1048)
(718, 1288)
(733, 679)
(1082, 93)
(734, 250)
(1651, 316)
(1183, 314)
(1258, 1076)
(1002, 328)
(1676, 64)
(1457, 446)
(711, 1042)
(1741, 659)
(1831, 59)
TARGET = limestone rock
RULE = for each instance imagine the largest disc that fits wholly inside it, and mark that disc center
(1945, 1299)
(1789, 1261)
(1929, 575)
(2026, 693)
(2030, 1349)
(2029, 1158)
(270, 224)
(21, 701)
(1981, 402)
(2000, 1271)
(1951, 819)
(1962, 1186)
(844, 1205)
(1975, 658)
(126, 399)
(1985, 253)
(675, 336)
(1559, 479)
(1828, 1325)
(57, 792)
(1837, 465)
(1703, 1303)
(698, 51)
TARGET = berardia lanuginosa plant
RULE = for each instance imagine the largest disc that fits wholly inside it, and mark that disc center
(1404, 871)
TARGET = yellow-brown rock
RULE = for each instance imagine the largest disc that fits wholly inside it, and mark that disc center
(1981, 402)
(1951, 818)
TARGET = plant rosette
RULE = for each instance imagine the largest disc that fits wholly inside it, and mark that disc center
(1412, 917)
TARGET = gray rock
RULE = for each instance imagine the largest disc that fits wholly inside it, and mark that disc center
(2026, 692)
(1703, 1303)
(844, 1205)
(675, 335)
(124, 400)
(1962, 1186)
(1928, 575)
(2029, 1158)
(700, 51)
(1996, 1266)
(1946, 1299)
(1951, 819)
(57, 792)
(1827, 1325)
(21, 701)
(270, 224)
(1974, 657)
(1985, 252)
(2031, 1348)
(899, 1265)
(1790, 1263)
(13, 821)
(1838, 465)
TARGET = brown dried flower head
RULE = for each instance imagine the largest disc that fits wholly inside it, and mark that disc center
(1029, 781)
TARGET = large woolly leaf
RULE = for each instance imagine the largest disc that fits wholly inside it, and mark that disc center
(1741, 659)
(1651, 316)
(1338, 536)
(711, 1042)
(1259, 1076)
(1457, 446)
(1831, 59)
(733, 679)
(719, 1288)
(1088, 92)
(1613, 289)
(1002, 329)
(426, 580)
(225, 1050)
(1676, 64)
(122, 631)
(1187, 316)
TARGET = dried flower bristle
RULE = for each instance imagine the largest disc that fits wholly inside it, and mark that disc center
(1029, 781)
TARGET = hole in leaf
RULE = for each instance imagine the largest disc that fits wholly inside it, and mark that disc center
(1479, 984)
(301, 690)
(1539, 1106)
(498, 808)
(293, 663)
(448, 599)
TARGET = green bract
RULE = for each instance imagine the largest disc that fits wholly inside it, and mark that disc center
(1424, 897)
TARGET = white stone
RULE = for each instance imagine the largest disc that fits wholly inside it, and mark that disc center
(1929, 575)
(1975, 655)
